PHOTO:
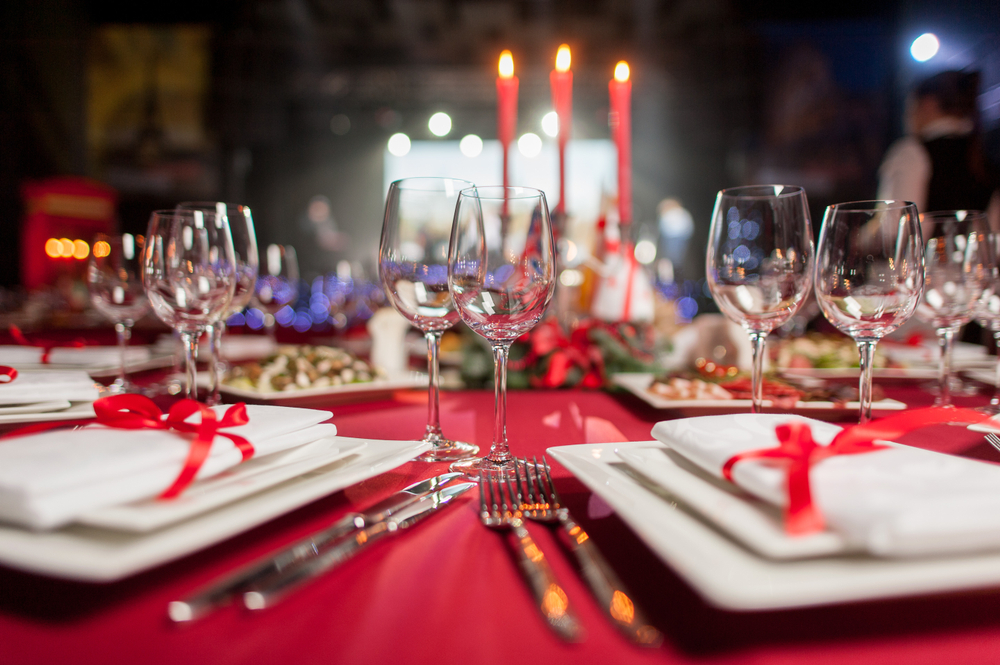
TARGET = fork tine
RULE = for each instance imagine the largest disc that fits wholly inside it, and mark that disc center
(522, 494)
(482, 498)
(538, 495)
(553, 497)
(994, 440)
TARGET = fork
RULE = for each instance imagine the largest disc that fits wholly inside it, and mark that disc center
(540, 502)
(497, 513)
(994, 440)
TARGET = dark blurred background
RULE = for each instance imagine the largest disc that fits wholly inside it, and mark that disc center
(276, 102)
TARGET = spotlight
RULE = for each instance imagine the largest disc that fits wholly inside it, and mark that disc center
(530, 145)
(550, 124)
(924, 47)
(399, 144)
(471, 145)
(439, 124)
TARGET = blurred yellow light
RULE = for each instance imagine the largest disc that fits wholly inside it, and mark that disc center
(506, 65)
(53, 248)
(621, 71)
(563, 58)
(66, 247)
(101, 249)
(81, 250)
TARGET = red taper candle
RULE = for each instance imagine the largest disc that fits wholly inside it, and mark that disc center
(620, 119)
(506, 107)
(561, 81)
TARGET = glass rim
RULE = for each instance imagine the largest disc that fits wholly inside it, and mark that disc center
(783, 191)
(942, 215)
(399, 184)
(198, 205)
(180, 212)
(874, 205)
(528, 192)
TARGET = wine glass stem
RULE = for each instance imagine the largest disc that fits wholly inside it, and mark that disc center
(757, 340)
(433, 386)
(190, 340)
(996, 381)
(946, 337)
(217, 367)
(499, 452)
(866, 353)
(124, 330)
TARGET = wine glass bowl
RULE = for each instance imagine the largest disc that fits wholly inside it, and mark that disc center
(956, 272)
(413, 270)
(759, 261)
(189, 273)
(987, 310)
(501, 274)
(114, 280)
(869, 275)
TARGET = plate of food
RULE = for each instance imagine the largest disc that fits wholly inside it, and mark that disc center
(304, 374)
(688, 396)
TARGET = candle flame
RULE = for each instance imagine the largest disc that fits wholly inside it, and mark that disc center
(506, 65)
(621, 71)
(563, 58)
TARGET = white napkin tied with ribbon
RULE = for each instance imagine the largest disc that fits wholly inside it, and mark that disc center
(898, 501)
(87, 356)
(45, 386)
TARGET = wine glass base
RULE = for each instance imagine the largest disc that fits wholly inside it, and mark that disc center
(445, 450)
(474, 468)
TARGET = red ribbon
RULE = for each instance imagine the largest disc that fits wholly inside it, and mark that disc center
(139, 412)
(797, 452)
(7, 374)
(45, 345)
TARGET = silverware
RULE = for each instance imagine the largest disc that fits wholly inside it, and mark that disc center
(267, 592)
(497, 513)
(220, 592)
(994, 440)
(536, 494)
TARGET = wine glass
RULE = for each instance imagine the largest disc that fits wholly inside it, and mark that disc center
(114, 279)
(413, 269)
(987, 311)
(956, 270)
(278, 283)
(869, 275)
(760, 262)
(240, 222)
(189, 272)
(501, 274)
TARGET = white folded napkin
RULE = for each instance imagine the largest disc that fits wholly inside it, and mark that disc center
(47, 386)
(87, 356)
(900, 501)
(47, 479)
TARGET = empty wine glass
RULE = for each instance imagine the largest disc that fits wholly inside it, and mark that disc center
(114, 279)
(760, 262)
(413, 268)
(241, 229)
(501, 274)
(278, 283)
(956, 270)
(869, 275)
(189, 272)
(987, 312)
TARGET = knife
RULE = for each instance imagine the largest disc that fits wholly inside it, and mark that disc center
(220, 592)
(269, 591)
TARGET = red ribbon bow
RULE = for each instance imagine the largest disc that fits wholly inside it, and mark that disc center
(139, 412)
(798, 453)
(45, 345)
(7, 374)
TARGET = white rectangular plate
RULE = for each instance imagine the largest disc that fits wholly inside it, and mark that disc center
(238, 482)
(76, 411)
(94, 554)
(638, 384)
(369, 390)
(756, 524)
(730, 576)
(884, 373)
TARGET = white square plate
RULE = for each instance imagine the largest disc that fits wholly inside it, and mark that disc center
(732, 577)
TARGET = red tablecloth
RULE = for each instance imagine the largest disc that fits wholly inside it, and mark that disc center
(449, 591)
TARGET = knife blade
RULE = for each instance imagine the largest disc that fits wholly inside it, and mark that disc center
(268, 592)
(220, 592)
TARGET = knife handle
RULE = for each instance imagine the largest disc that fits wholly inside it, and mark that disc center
(268, 591)
(611, 594)
(549, 595)
(220, 593)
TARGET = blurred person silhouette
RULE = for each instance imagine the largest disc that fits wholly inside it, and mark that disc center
(676, 227)
(939, 164)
